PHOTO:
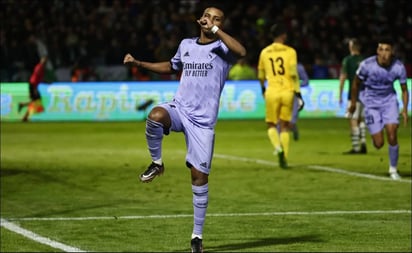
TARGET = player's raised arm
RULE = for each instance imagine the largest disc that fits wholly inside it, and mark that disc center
(231, 43)
(158, 67)
(211, 24)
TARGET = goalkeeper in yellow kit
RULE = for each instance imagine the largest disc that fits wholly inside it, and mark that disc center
(278, 65)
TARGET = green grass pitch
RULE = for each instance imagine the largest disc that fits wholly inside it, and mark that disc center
(68, 186)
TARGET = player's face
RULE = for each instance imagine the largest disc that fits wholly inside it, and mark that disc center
(384, 52)
(214, 15)
(350, 45)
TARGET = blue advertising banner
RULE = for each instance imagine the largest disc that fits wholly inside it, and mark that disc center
(104, 101)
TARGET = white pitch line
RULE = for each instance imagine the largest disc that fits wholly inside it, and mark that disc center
(44, 240)
(313, 167)
(357, 174)
(174, 216)
(38, 238)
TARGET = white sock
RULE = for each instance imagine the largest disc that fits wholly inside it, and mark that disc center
(277, 150)
(392, 169)
(198, 236)
(362, 128)
(159, 161)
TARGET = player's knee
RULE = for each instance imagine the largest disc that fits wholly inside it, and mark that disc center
(392, 140)
(156, 114)
(378, 144)
(160, 114)
(198, 178)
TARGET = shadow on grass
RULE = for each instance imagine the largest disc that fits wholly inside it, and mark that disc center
(59, 184)
(9, 172)
(264, 242)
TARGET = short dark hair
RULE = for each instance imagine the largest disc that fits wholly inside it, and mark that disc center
(386, 40)
(277, 30)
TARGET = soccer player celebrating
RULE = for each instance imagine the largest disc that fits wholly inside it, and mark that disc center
(278, 65)
(377, 74)
(205, 62)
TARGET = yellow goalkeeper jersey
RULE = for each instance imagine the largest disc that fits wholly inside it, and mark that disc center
(278, 65)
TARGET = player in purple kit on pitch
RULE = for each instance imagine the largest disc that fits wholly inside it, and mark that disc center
(374, 80)
(205, 62)
(304, 82)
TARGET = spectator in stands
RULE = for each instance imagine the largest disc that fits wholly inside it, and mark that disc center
(82, 71)
(242, 70)
(319, 69)
(315, 26)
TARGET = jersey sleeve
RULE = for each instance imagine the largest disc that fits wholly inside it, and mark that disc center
(176, 61)
(402, 74)
(261, 68)
(294, 70)
(361, 72)
(223, 52)
(344, 65)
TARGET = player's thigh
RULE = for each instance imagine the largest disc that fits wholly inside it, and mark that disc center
(273, 104)
(287, 106)
(390, 113)
(200, 146)
(175, 116)
(373, 120)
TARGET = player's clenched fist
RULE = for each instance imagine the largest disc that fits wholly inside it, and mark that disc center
(128, 59)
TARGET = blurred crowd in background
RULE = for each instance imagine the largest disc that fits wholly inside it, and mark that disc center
(87, 40)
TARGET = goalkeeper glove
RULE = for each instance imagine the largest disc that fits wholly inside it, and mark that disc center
(263, 90)
(301, 103)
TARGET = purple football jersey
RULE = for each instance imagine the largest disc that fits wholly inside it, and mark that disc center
(204, 71)
(378, 81)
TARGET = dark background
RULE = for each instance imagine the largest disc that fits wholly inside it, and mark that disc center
(100, 32)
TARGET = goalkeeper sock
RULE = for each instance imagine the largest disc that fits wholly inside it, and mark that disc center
(284, 139)
(274, 138)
